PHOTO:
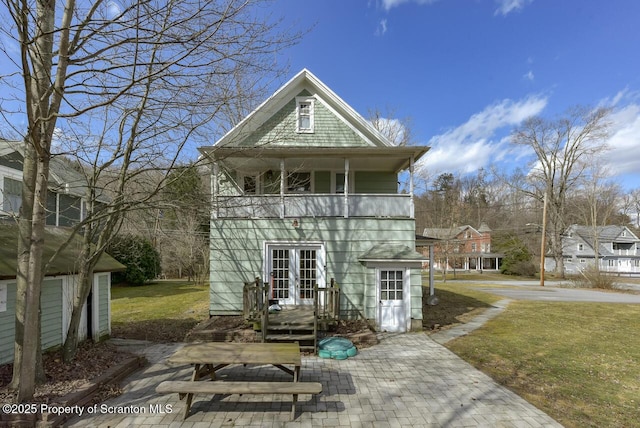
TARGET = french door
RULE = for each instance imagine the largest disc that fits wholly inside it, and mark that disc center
(294, 271)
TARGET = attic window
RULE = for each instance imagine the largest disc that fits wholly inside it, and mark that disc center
(304, 112)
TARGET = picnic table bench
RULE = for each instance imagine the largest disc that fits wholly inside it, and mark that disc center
(208, 358)
(222, 387)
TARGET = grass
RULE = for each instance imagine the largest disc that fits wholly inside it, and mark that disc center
(458, 304)
(579, 362)
(161, 311)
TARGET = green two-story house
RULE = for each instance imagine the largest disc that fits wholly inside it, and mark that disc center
(306, 190)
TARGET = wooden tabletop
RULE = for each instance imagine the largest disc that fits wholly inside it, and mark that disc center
(238, 353)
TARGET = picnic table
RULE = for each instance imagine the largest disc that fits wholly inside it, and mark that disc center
(208, 358)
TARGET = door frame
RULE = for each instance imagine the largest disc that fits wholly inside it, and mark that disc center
(294, 248)
(406, 292)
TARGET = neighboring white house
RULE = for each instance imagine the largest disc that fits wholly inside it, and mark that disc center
(618, 250)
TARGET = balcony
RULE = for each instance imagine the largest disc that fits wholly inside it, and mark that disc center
(315, 205)
(626, 252)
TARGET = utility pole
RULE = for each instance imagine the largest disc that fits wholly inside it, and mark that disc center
(544, 237)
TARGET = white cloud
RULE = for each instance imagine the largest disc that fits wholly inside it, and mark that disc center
(389, 4)
(505, 7)
(624, 140)
(477, 143)
(529, 76)
(382, 28)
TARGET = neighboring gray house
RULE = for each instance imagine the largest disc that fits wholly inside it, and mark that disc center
(618, 249)
(67, 187)
(306, 190)
(65, 208)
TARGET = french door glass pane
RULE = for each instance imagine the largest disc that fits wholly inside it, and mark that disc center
(280, 289)
(308, 273)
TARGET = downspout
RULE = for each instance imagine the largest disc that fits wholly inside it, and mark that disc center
(411, 202)
(215, 187)
(282, 185)
(346, 188)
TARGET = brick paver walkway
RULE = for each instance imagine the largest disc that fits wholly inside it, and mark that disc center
(407, 380)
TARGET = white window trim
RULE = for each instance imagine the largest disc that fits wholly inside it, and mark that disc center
(258, 179)
(321, 255)
(311, 101)
(17, 176)
(334, 181)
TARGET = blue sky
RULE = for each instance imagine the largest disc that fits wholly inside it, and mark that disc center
(467, 71)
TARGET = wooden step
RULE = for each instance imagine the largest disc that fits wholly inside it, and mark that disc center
(290, 327)
(290, 337)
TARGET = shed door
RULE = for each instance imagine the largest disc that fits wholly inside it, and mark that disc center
(393, 290)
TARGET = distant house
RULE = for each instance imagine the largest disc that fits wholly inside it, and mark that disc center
(305, 190)
(67, 187)
(65, 207)
(618, 250)
(463, 248)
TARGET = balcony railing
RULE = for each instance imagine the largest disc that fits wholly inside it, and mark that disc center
(627, 252)
(315, 205)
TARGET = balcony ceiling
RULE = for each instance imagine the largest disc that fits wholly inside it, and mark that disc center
(393, 158)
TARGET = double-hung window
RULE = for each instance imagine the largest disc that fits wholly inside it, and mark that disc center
(305, 115)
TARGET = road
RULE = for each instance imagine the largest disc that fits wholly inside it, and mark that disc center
(554, 292)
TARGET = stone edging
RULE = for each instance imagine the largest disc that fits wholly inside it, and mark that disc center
(80, 397)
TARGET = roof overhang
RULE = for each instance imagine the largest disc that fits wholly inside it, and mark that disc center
(392, 253)
(389, 158)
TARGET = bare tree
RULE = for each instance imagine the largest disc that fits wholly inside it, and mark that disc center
(127, 87)
(398, 131)
(562, 148)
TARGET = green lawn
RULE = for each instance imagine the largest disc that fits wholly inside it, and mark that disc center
(458, 304)
(579, 362)
(160, 311)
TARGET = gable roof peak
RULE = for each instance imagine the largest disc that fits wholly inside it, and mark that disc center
(304, 79)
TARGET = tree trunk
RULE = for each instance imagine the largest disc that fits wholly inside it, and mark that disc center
(85, 282)
(29, 279)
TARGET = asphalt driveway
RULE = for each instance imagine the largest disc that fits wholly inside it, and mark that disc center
(554, 292)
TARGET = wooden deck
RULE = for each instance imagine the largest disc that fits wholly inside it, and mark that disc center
(293, 323)
(293, 315)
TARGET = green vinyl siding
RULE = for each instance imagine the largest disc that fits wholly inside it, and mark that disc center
(272, 182)
(103, 306)
(237, 247)
(322, 182)
(51, 308)
(376, 182)
(7, 321)
(280, 129)
(51, 318)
